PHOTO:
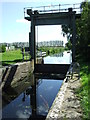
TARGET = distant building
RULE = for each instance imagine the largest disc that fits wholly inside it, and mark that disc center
(10, 48)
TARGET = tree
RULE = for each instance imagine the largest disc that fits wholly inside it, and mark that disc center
(67, 31)
(2, 48)
(68, 45)
(83, 29)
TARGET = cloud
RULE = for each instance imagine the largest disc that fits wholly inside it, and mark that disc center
(22, 21)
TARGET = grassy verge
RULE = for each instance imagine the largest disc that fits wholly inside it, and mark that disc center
(11, 57)
(83, 91)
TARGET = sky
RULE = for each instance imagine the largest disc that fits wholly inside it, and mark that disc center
(14, 28)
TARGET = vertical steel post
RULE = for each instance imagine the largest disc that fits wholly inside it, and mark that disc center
(33, 38)
(30, 44)
(73, 37)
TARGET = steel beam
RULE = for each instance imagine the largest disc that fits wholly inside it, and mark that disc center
(51, 68)
(52, 21)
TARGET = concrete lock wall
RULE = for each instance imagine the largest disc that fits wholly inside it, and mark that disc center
(11, 74)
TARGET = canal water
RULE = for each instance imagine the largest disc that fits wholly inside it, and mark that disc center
(61, 58)
(36, 99)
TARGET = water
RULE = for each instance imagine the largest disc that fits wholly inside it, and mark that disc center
(37, 97)
(35, 100)
(61, 58)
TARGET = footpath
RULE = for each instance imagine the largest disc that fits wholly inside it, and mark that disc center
(66, 106)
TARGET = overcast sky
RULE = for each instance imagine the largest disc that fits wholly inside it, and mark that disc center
(14, 28)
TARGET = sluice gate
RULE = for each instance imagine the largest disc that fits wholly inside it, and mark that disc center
(54, 17)
(51, 71)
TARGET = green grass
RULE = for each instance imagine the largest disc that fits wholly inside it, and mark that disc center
(83, 91)
(11, 57)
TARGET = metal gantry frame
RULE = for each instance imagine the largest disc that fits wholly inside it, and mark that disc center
(54, 18)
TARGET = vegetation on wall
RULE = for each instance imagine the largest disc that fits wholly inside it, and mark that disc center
(83, 91)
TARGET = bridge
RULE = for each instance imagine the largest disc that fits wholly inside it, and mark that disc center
(44, 15)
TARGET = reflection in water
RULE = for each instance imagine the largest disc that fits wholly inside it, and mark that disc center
(34, 102)
(61, 58)
(57, 55)
(23, 99)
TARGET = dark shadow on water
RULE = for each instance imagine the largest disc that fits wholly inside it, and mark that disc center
(31, 118)
(8, 95)
(37, 117)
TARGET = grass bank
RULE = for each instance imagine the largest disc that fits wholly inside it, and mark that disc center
(11, 57)
(83, 91)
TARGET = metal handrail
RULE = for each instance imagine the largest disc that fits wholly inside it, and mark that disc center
(54, 8)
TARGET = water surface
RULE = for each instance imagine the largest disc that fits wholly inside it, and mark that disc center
(35, 100)
(60, 58)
